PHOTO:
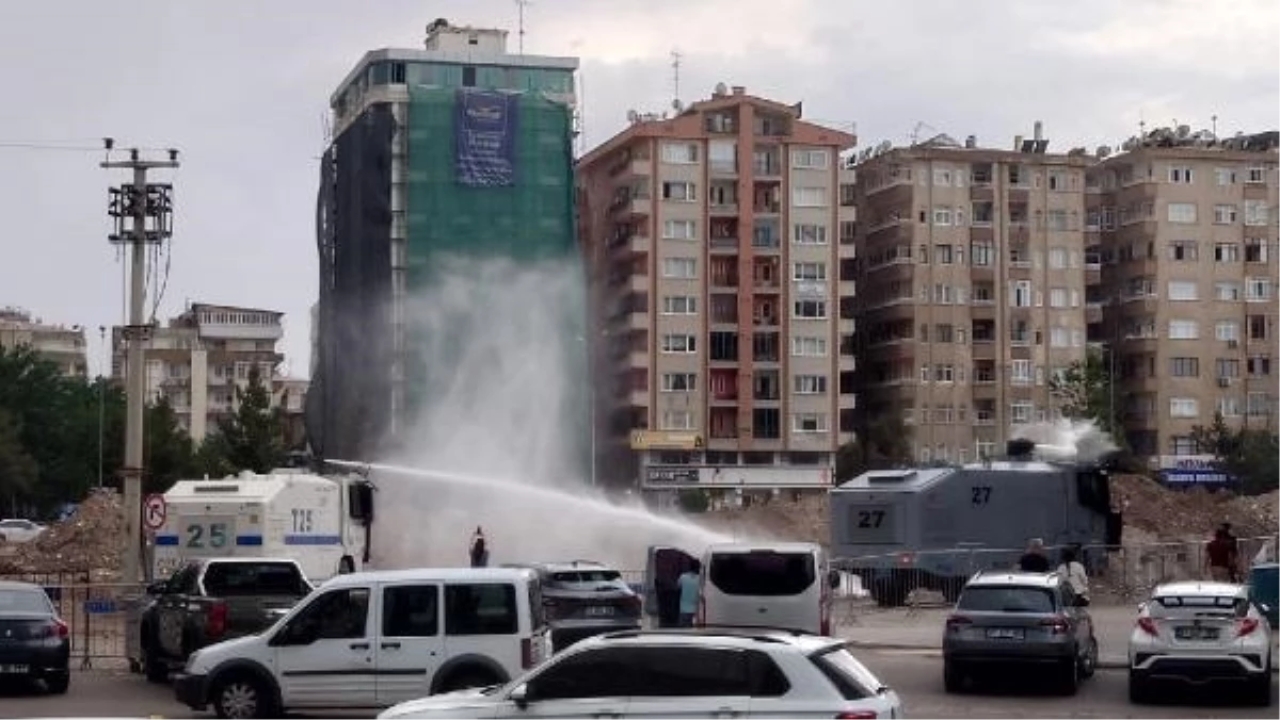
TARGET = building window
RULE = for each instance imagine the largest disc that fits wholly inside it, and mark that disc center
(1255, 212)
(1226, 253)
(1228, 407)
(981, 254)
(1227, 291)
(1256, 174)
(1058, 297)
(809, 234)
(1257, 327)
(1224, 214)
(1180, 174)
(1020, 372)
(810, 384)
(680, 153)
(1255, 250)
(1181, 445)
(808, 347)
(1021, 412)
(677, 420)
(811, 271)
(809, 196)
(1182, 213)
(1183, 290)
(679, 305)
(679, 382)
(942, 216)
(1226, 368)
(1257, 289)
(1225, 176)
(679, 230)
(679, 191)
(1184, 251)
(679, 344)
(468, 76)
(810, 159)
(1059, 337)
(1184, 330)
(810, 309)
(1184, 367)
(1020, 293)
(809, 423)
(683, 268)
(1227, 331)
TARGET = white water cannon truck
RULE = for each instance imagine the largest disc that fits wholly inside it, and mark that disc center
(323, 522)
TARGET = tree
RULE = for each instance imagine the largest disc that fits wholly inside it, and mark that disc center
(1251, 455)
(252, 438)
(170, 454)
(883, 442)
(18, 471)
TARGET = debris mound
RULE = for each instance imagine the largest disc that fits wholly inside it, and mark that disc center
(781, 517)
(1190, 514)
(90, 540)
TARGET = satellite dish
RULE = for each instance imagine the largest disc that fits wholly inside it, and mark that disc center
(632, 116)
(884, 147)
(677, 105)
(722, 89)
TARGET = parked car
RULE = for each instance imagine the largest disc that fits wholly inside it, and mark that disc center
(210, 600)
(681, 673)
(1017, 619)
(35, 644)
(582, 598)
(1200, 632)
(374, 639)
(17, 530)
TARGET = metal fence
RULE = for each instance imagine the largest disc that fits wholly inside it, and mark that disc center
(95, 612)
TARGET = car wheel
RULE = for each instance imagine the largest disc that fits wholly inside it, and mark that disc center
(156, 670)
(1139, 689)
(952, 677)
(242, 696)
(1069, 677)
(1089, 663)
(58, 683)
(469, 678)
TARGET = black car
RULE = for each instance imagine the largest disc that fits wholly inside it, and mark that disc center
(35, 644)
(582, 598)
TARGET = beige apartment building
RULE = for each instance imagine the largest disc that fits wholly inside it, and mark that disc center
(203, 355)
(61, 345)
(972, 273)
(719, 249)
(1186, 228)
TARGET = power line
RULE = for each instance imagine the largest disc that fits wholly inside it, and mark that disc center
(64, 147)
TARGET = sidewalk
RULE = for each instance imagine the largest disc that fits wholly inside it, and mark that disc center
(899, 629)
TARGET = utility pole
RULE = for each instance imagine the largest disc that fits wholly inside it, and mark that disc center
(521, 5)
(142, 215)
(102, 396)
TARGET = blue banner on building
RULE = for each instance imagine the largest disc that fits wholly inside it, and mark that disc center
(485, 129)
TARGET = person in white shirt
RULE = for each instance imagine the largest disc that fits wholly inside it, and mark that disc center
(1072, 570)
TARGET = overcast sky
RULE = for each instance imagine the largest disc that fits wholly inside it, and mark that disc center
(241, 88)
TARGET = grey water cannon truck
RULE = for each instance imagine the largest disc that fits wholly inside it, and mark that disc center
(933, 528)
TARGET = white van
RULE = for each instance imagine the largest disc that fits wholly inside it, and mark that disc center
(780, 585)
(374, 639)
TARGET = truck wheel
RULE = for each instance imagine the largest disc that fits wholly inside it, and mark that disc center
(241, 696)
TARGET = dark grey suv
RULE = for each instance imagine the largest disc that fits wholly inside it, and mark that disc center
(1019, 619)
(583, 598)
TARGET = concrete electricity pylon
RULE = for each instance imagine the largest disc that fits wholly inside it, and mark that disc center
(142, 215)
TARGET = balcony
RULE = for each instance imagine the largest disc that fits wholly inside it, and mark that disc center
(639, 283)
(723, 168)
(637, 359)
(723, 209)
(723, 244)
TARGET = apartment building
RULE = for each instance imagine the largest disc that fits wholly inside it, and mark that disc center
(713, 241)
(1186, 228)
(971, 276)
(202, 356)
(61, 345)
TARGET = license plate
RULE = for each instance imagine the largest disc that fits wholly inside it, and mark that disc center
(1006, 633)
(599, 611)
(13, 669)
(1196, 633)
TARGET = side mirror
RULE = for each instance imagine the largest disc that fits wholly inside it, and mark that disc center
(160, 587)
(520, 696)
(833, 579)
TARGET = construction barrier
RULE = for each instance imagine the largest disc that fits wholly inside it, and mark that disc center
(96, 613)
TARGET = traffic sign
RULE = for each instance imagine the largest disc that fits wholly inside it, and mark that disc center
(153, 511)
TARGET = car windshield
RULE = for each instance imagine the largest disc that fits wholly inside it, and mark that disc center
(1009, 599)
(23, 601)
(587, 576)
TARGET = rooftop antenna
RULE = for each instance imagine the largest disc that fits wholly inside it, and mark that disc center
(521, 4)
(1214, 120)
(675, 78)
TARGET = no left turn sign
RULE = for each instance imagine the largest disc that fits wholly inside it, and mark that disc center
(153, 512)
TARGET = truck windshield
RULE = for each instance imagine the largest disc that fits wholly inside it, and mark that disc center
(254, 578)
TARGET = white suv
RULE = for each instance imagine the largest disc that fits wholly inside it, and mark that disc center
(1195, 632)
(681, 673)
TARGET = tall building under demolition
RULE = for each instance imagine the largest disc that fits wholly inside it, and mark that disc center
(459, 147)
(720, 250)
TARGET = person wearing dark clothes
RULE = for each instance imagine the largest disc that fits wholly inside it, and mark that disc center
(479, 550)
(1221, 556)
(1034, 560)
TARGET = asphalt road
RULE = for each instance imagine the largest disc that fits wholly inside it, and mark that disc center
(916, 675)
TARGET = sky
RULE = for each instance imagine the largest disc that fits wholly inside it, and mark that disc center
(241, 89)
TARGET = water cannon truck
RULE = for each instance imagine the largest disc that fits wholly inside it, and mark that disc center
(324, 522)
(932, 528)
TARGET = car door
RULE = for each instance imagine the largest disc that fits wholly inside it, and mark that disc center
(171, 610)
(410, 645)
(691, 682)
(586, 684)
(661, 583)
(324, 654)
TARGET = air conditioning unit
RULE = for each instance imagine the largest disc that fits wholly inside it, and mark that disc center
(1224, 382)
(1233, 344)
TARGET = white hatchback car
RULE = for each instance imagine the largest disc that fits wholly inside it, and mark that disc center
(1199, 632)
(681, 673)
(16, 530)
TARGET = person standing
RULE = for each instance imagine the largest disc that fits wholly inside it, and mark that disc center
(479, 549)
(1034, 560)
(1220, 556)
(688, 583)
(1072, 570)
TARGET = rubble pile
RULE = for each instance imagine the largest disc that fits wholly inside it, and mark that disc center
(782, 517)
(1191, 514)
(91, 540)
